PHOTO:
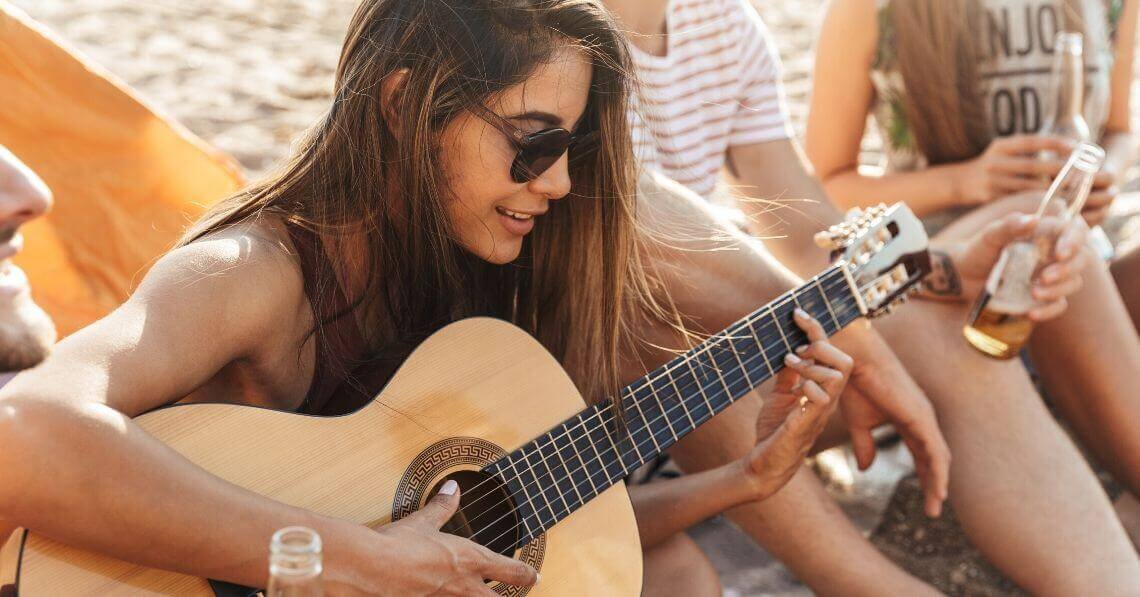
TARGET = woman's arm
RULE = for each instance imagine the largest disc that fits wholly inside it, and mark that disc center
(1117, 139)
(77, 469)
(842, 95)
(71, 417)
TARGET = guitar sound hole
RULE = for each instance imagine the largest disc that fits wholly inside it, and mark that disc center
(486, 512)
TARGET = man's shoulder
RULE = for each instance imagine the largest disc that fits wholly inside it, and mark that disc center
(744, 23)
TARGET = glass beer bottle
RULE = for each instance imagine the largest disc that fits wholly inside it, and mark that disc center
(1066, 119)
(295, 563)
(999, 323)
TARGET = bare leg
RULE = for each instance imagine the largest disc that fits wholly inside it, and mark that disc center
(679, 568)
(1024, 494)
(1088, 359)
(801, 525)
(1126, 272)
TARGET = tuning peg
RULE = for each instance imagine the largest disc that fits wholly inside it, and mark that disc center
(830, 239)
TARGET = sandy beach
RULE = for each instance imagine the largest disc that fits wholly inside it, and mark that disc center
(249, 75)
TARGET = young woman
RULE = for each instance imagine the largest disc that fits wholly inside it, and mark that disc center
(960, 89)
(475, 161)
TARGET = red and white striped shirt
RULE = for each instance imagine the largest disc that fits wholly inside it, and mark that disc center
(717, 86)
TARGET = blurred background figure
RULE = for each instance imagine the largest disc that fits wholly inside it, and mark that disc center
(964, 96)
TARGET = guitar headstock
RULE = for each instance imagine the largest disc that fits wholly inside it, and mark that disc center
(884, 250)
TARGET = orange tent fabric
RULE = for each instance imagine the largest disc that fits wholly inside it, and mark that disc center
(126, 180)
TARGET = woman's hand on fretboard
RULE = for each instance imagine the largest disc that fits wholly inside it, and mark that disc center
(806, 394)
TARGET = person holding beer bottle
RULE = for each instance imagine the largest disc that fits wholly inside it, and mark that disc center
(961, 93)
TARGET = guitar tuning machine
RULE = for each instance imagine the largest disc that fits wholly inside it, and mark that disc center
(831, 240)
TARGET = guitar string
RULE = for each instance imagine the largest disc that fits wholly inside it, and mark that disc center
(762, 340)
(716, 395)
(649, 380)
(590, 476)
(600, 458)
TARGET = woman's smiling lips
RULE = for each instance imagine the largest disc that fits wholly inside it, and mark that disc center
(517, 222)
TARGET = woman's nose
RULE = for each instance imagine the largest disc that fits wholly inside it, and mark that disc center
(555, 181)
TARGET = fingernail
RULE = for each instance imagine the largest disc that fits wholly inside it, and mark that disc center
(802, 313)
(792, 359)
(537, 578)
(1024, 219)
(449, 488)
(801, 349)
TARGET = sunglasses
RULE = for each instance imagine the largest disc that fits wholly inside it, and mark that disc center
(537, 152)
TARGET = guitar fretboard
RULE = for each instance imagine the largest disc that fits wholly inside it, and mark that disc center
(555, 474)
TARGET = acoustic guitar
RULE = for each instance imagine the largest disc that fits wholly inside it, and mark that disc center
(485, 404)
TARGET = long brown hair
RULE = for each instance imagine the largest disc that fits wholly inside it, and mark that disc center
(580, 271)
(939, 53)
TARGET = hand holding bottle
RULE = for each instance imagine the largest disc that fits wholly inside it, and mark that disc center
(1059, 277)
(1000, 322)
(1010, 165)
(1104, 192)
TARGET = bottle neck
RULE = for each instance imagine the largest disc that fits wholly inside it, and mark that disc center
(294, 559)
(1070, 86)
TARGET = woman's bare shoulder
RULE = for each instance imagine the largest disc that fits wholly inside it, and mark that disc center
(247, 273)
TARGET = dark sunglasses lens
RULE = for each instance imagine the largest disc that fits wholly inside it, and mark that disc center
(538, 153)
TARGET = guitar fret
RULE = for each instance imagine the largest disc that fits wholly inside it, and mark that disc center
(581, 473)
(613, 444)
(581, 436)
(557, 479)
(719, 375)
(611, 467)
(736, 354)
(635, 426)
(648, 428)
(827, 303)
(529, 500)
(763, 353)
(779, 328)
(664, 413)
(702, 383)
(542, 487)
(680, 399)
(701, 387)
(565, 467)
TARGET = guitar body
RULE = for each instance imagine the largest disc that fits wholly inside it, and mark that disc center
(471, 393)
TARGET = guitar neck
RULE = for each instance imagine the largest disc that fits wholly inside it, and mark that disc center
(561, 470)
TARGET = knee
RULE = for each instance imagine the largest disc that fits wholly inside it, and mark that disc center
(679, 567)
